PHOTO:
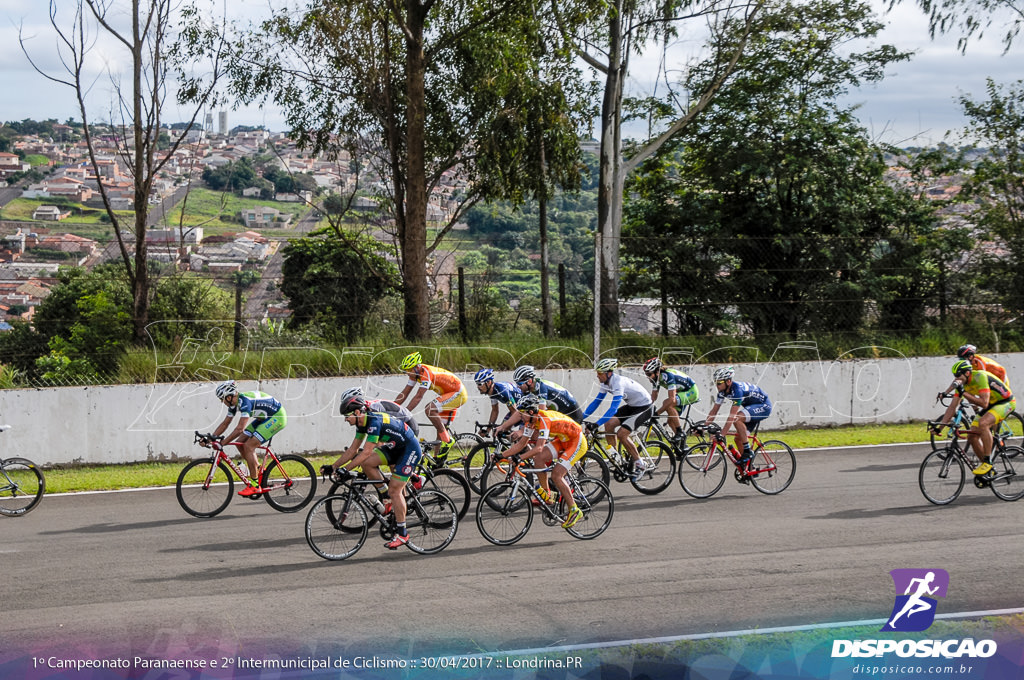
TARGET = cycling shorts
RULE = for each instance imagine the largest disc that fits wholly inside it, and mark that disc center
(265, 428)
(755, 413)
(449, 402)
(567, 453)
(686, 398)
(1000, 411)
(632, 417)
(402, 461)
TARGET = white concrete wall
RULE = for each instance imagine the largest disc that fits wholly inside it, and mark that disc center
(128, 423)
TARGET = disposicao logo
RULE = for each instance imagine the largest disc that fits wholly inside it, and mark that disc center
(914, 610)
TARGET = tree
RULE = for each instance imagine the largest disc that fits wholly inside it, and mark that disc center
(404, 83)
(149, 55)
(996, 188)
(612, 32)
(328, 282)
(781, 181)
(971, 18)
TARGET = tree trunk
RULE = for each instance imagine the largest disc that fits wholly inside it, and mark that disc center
(542, 214)
(609, 192)
(414, 245)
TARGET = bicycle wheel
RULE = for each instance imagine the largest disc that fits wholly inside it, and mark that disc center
(474, 464)
(659, 468)
(432, 520)
(292, 483)
(199, 498)
(452, 484)
(592, 466)
(1007, 483)
(1011, 432)
(702, 471)
(362, 489)
(941, 476)
(502, 516)
(773, 467)
(323, 528)
(595, 500)
(21, 486)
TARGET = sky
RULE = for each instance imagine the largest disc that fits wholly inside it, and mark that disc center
(916, 104)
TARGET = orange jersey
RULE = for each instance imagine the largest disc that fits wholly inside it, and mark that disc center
(436, 379)
(555, 426)
(980, 363)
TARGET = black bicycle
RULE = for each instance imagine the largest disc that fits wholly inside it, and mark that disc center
(337, 525)
(21, 484)
(943, 473)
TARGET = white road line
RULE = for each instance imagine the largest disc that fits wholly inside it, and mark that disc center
(737, 633)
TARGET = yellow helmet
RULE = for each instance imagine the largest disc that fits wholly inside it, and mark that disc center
(412, 361)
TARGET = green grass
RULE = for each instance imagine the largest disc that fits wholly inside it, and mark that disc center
(206, 208)
(21, 209)
(66, 478)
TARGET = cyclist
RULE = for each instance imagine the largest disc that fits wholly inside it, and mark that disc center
(681, 390)
(554, 396)
(394, 410)
(551, 437)
(261, 417)
(452, 395)
(386, 441)
(981, 363)
(995, 401)
(500, 393)
(630, 408)
(750, 405)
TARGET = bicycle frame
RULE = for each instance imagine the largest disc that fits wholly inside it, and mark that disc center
(743, 470)
(519, 476)
(267, 456)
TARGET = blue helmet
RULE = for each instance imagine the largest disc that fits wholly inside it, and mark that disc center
(483, 375)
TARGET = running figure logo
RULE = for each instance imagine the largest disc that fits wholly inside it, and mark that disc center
(914, 610)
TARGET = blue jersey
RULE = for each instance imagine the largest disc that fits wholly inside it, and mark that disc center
(743, 394)
(555, 395)
(255, 405)
(673, 379)
(390, 434)
(505, 393)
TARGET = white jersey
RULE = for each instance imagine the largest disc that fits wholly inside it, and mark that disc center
(632, 392)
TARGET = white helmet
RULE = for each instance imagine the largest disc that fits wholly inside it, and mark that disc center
(352, 392)
(607, 364)
(226, 388)
(724, 373)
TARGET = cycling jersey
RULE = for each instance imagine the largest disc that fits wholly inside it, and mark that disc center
(556, 396)
(982, 382)
(563, 434)
(673, 379)
(396, 411)
(437, 379)
(255, 405)
(980, 363)
(743, 394)
(396, 443)
(626, 393)
(505, 393)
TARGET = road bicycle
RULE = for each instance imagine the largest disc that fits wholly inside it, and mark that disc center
(206, 486)
(460, 455)
(703, 467)
(943, 473)
(446, 480)
(655, 455)
(654, 429)
(337, 525)
(494, 466)
(1009, 433)
(21, 484)
(505, 511)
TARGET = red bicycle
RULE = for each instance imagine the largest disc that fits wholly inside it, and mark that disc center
(703, 468)
(206, 485)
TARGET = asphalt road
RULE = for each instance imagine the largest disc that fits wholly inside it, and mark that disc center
(132, 573)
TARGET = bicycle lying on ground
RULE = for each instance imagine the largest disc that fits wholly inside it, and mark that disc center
(1010, 432)
(21, 484)
(505, 511)
(337, 525)
(943, 472)
(703, 467)
(206, 486)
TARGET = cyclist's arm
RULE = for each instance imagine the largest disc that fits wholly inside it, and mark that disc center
(514, 419)
(223, 426)
(712, 413)
(237, 432)
(403, 394)
(416, 398)
(348, 454)
(669, 404)
(592, 406)
(494, 413)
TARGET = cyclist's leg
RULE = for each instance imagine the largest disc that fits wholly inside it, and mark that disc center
(630, 423)
(981, 438)
(257, 433)
(564, 459)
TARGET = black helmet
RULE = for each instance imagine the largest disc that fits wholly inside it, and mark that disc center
(530, 403)
(966, 352)
(352, 403)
